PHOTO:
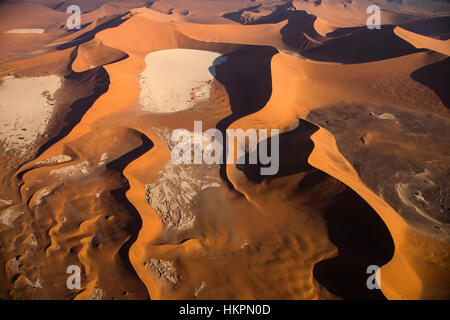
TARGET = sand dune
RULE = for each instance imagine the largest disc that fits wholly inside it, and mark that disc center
(94, 54)
(32, 16)
(363, 176)
(422, 42)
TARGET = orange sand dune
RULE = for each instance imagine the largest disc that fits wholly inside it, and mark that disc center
(99, 191)
(94, 54)
(442, 46)
(32, 15)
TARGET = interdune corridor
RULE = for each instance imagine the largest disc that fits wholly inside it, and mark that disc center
(88, 179)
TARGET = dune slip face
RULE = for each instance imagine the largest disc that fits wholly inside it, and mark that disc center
(94, 206)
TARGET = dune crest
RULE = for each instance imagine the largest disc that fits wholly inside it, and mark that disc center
(420, 42)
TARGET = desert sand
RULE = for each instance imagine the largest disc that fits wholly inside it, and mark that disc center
(363, 117)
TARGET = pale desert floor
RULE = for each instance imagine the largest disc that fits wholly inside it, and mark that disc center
(26, 108)
(174, 79)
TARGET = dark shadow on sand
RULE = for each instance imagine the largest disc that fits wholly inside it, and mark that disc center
(438, 28)
(345, 45)
(292, 33)
(78, 109)
(247, 77)
(279, 14)
(362, 240)
(361, 46)
(85, 37)
(295, 148)
(134, 222)
(353, 226)
(436, 77)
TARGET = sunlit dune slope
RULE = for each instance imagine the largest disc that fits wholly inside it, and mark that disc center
(442, 46)
(93, 54)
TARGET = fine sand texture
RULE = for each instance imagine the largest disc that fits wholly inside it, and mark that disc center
(364, 171)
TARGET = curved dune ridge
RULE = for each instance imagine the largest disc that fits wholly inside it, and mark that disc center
(419, 41)
(363, 162)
